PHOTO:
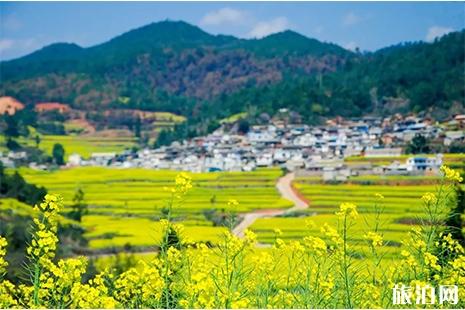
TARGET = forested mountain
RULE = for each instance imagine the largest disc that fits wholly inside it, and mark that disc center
(177, 67)
(410, 77)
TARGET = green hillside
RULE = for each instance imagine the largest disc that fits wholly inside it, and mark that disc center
(179, 68)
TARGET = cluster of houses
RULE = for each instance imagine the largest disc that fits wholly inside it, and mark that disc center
(9, 159)
(315, 150)
(311, 150)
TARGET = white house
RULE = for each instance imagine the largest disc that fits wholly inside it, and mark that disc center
(265, 160)
(74, 160)
(424, 164)
(101, 159)
(453, 136)
(305, 140)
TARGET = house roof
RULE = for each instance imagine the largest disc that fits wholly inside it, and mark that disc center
(10, 105)
(50, 106)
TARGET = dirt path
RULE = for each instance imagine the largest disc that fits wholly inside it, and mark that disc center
(284, 187)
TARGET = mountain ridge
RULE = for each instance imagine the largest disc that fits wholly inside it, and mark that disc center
(173, 57)
(177, 67)
(180, 29)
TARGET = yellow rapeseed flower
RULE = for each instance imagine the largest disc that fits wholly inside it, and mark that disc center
(429, 198)
(250, 236)
(451, 174)
(432, 261)
(375, 238)
(7, 293)
(327, 286)
(3, 263)
(331, 233)
(183, 182)
(315, 244)
(408, 258)
(232, 203)
(347, 209)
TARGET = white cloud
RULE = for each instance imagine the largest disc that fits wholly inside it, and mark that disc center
(224, 16)
(10, 48)
(437, 32)
(351, 46)
(262, 29)
(351, 19)
(6, 44)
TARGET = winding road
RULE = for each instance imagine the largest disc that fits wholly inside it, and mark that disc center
(284, 186)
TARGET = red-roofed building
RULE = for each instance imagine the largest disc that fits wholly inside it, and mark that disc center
(460, 118)
(10, 105)
(52, 106)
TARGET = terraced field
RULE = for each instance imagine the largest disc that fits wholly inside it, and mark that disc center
(400, 211)
(82, 145)
(125, 204)
(10, 206)
(113, 231)
(452, 160)
(86, 145)
(397, 199)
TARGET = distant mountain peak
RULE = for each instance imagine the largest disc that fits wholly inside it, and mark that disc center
(60, 47)
(292, 42)
(54, 51)
(164, 33)
(286, 34)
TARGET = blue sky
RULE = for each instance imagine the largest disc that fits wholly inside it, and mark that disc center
(27, 26)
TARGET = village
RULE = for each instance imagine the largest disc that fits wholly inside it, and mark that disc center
(309, 150)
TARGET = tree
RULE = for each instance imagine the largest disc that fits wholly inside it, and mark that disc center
(14, 186)
(12, 144)
(137, 127)
(165, 137)
(79, 207)
(12, 126)
(457, 147)
(2, 178)
(418, 145)
(244, 126)
(58, 154)
(37, 140)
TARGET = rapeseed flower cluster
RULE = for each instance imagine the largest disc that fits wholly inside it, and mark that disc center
(183, 183)
(44, 241)
(309, 273)
(6, 287)
(332, 234)
(375, 239)
(447, 243)
(139, 287)
(232, 203)
(315, 244)
(432, 261)
(3, 263)
(451, 174)
(347, 209)
(429, 198)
